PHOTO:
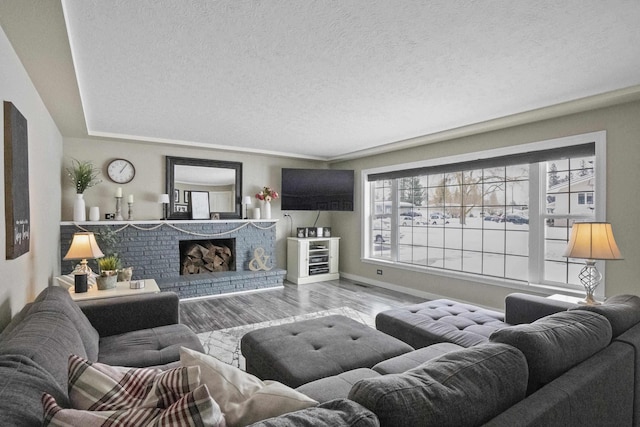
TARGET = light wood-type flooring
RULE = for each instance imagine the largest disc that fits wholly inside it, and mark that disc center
(242, 309)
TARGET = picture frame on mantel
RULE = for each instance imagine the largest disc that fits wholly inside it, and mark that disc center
(16, 182)
(199, 202)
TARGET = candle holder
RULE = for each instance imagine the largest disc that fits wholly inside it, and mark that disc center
(119, 209)
(130, 217)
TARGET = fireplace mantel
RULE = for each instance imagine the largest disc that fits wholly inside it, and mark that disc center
(169, 221)
(151, 247)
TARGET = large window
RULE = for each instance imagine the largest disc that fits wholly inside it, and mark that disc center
(504, 217)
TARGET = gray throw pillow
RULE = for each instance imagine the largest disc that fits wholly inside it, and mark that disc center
(338, 412)
(466, 387)
(622, 311)
(556, 343)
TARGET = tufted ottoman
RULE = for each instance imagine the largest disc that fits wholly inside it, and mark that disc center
(299, 352)
(439, 321)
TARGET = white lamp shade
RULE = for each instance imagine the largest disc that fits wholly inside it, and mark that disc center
(246, 200)
(592, 240)
(83, 246)
(163, 198)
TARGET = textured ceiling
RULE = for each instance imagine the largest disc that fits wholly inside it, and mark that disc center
(325, 79)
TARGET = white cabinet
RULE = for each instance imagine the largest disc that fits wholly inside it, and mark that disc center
(312, 259)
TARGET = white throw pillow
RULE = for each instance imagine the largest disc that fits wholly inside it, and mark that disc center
(243, 398)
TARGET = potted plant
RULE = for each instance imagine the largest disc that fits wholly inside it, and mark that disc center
(108, 277)
(83, 175)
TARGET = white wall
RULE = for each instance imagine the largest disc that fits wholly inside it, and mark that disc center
(149, 161)
(623, 204)
(23, 278)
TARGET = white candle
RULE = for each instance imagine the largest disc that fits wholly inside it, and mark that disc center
(119, 192)
(130, 198)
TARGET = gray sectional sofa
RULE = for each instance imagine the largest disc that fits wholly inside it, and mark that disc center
(575, 367)
(140, 331)
(579, 367)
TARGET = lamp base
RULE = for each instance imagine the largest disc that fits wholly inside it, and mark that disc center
(80, 283)
(590, 278)
(586, 301)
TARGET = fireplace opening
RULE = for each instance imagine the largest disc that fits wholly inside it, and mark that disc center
(207, 256)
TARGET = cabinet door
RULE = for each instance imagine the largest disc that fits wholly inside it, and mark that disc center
(334, 256)
(303, 259)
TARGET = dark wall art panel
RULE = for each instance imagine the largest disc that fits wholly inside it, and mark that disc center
(16, 182)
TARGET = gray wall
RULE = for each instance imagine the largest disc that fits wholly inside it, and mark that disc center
(149, 161)
(24, 277)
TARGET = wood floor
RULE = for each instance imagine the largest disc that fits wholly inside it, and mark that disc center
(242, 309)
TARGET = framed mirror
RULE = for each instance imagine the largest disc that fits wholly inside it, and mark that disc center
(222, 181)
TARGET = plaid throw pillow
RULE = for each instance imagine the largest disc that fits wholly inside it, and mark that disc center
(195, 408)
(100, 387)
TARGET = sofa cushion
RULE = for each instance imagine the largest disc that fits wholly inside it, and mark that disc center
(339, 412)
(554, 344)
(299, 352)
(22, 385)
(64, 303)
(404, 362)
(147, 347)
(335, 386)
(441, 320)
(48, 336)
(622, 311)
(243, 398)
(195, 408)
(466, 387)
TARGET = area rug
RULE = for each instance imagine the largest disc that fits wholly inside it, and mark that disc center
(224, 344)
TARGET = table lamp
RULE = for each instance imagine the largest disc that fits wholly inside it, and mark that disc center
(83, 247)
(246, 201)
(164, 200)
(591, 241)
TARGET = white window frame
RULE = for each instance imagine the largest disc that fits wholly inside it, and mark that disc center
(536, 221)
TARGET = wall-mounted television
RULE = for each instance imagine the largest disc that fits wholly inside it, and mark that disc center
(317, 190)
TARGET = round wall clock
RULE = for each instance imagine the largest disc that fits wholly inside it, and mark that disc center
(121, 171)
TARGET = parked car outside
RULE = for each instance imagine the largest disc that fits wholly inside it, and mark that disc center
(515, 219)
(438, 219)
(411, 213)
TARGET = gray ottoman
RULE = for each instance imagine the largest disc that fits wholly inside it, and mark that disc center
(440, 321)
(300, 352)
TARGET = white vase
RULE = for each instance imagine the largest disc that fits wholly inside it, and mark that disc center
(79, 211)
(266, 210)
(94, 213)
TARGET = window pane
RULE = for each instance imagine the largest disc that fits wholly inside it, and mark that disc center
(472, 262)
(453, 259)
(405, 253)
(436, 257)
(472, 239)
(453, 237)
(517, 243)
(493, 264)
(517, 268)
(493, 241)
(555, 271)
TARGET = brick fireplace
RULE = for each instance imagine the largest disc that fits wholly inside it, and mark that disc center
(153, 250)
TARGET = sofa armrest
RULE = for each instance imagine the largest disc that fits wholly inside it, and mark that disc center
(524, 308)
(113, 316)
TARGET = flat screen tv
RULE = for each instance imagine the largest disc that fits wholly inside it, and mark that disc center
(317, 190)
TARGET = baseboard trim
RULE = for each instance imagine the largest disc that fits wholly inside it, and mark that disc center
(409, 291)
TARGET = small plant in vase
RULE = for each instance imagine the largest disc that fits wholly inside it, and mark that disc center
(266, 195)
(108, 277)
(83, 175)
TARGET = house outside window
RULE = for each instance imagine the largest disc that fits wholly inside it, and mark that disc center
(503, 218)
